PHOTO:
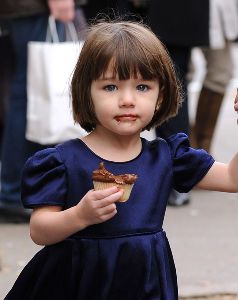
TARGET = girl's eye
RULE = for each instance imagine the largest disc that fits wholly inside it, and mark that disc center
(142, 88)
(110, 88)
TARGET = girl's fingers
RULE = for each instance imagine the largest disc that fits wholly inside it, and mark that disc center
(109, 199)
(236, 100)
(107, 213)
(101, 194)
(107, 210)
(236, 106)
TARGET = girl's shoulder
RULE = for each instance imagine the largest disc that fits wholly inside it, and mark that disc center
(172, 143)
(44, 179)
(70, 147)
(48, 156)
(179, 147)
(177, 142)
(189, 165)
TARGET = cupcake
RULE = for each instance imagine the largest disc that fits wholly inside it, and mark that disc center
(103, 179)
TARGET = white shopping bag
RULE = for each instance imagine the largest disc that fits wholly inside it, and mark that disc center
(50, 69)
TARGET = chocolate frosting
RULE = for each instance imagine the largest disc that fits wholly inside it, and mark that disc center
(101, 174)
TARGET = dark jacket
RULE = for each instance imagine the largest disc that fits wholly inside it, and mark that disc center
(180, 23)
(108, 7)
(22, 8)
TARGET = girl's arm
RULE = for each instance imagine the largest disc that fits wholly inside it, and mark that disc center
(51, 224)
(222, 177)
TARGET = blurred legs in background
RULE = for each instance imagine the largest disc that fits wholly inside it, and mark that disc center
(219, 71)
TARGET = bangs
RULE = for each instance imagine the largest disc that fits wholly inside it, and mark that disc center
(127, 58)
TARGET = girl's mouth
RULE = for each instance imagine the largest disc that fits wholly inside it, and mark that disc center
(126, 117)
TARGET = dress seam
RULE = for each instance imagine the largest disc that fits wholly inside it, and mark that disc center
(66, 175)
(102, 237)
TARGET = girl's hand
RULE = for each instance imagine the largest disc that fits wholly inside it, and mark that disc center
(236, 101)
(98, 206)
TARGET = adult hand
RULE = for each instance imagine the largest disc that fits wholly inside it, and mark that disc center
(62, 10)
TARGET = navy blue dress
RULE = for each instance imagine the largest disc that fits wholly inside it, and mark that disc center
(125, 258)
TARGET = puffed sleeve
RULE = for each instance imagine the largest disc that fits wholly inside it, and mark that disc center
(189, 165)
(44, 180)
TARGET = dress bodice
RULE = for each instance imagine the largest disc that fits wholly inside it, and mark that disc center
(63, 175)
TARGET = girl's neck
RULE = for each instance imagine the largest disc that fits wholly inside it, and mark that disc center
(114, 147)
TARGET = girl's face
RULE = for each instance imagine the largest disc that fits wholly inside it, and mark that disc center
(124, 106)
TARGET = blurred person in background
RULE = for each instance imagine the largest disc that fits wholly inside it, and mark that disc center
(223, 30)
(25, 20)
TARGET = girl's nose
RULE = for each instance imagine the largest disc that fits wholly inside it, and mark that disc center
(127, 98)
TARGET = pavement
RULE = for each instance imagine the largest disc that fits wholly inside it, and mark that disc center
(203, 235)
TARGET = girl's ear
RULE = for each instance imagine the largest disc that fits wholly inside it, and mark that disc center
(159, 101)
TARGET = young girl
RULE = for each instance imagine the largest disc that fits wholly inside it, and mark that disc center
(97, 247)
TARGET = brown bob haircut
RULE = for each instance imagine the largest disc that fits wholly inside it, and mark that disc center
(133, 49)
